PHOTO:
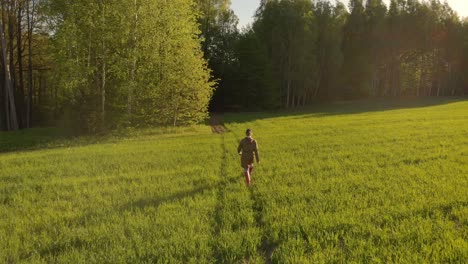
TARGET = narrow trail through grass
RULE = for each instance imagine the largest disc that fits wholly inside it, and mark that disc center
(216, 123)
(382, 186)
(224, 181)
(264, 249)
(237, 234)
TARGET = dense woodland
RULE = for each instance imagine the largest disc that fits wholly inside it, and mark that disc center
(300, 52)
(94, 65)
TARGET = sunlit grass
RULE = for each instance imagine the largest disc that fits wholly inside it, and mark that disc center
(385, 185)
(337, 183)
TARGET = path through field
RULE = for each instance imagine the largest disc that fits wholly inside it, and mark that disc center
(343, 183)
(216, 123)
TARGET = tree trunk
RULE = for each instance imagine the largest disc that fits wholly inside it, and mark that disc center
(288, 77)
(12, 69)
(398, 79)
(20, 63)
(375, 80)
(12, 121)
(2, 101)
(174, 119)
(103, 86)
(39, 89)
(104, 70)
(439, 83)
(451, 82)
(30, 14)
(289, 54)
(293, 96)
(317, 86)
(56, 101)
(304, 88)
(392, 78)
(3, 95)
(134, 62)
(421, 76)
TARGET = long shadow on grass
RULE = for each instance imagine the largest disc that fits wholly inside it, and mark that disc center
(329, 238)
(55, 249)
(44, 138)
(345, 108)
(157, 201)
(303, 232)
(99, 216)
(54, 138)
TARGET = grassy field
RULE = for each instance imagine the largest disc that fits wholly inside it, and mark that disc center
(358, 182)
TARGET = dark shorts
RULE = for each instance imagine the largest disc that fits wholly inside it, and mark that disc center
(246, 162)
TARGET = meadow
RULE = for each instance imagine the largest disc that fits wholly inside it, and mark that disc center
(359, 182)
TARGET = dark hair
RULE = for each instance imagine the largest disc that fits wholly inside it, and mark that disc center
(248, 132)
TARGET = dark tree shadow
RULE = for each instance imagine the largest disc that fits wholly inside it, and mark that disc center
(49, 138)
(345, 108)
(157, 201)
(44, 138)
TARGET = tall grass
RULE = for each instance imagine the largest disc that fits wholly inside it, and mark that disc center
(337, 183)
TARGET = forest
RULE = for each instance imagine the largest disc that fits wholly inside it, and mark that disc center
(95, 65)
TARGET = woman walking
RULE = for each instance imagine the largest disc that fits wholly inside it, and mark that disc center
(248, 147)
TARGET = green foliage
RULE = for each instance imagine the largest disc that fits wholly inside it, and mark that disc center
(318, 51)
(330, 20)
(257, 87)
(136, 62)
(100, 64)
(346, 182)
(355, 79)
(219, 34)
(175, 86)
(464, 58)
(218, 24)
(288, 30)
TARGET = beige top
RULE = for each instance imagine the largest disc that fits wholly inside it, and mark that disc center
(248, 147)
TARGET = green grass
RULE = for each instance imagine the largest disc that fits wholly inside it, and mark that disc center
(354, 182)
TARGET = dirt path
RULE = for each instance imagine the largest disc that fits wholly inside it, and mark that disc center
(216, 122)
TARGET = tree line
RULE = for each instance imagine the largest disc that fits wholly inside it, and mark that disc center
(94, 65)
(100, 64)
(298, 52)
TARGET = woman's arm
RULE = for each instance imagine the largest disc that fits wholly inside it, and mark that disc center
(256, 152)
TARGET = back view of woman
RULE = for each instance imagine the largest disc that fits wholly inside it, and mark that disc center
(248, 147)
